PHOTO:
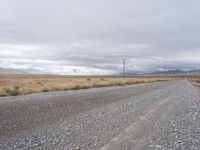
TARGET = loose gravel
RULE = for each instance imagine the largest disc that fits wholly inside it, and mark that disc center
(161, 115)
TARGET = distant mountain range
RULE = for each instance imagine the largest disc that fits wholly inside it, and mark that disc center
(10, 71)
(167, 72)
(176, 72)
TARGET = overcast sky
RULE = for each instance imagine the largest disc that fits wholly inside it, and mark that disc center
(93, 36)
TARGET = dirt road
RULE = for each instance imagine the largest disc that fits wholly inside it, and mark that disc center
(163, 115)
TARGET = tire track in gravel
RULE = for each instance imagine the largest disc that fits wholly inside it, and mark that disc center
(26, 112)
(173, 124)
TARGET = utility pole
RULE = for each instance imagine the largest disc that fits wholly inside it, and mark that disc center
(164, 73)
(124, 67)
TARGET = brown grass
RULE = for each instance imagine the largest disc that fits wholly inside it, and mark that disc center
(15, 84)
(195, 80)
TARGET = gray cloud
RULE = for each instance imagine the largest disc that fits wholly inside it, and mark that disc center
(92, 37)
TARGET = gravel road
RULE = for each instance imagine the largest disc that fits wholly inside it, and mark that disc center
(164, 115)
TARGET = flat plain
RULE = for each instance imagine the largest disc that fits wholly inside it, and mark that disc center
(19, 84)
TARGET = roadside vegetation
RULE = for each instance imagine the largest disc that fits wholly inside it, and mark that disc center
(19, 84)
(195, 80)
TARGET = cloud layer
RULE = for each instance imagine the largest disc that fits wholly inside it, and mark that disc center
(92, 37)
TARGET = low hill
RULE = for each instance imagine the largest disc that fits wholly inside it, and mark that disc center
(10, 71)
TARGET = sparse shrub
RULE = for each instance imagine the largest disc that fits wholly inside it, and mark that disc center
(99, 85)
(129, 82)
(13, 92)
(66, 89)
(45, 90)
(139, 82)
(77, 87)
(119, 84)
(2, 94)
(16, 87)
(85, 87)
(112, 83)
(88, 79)
(56, 89)
(30, 92)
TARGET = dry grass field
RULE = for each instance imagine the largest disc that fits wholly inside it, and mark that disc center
(195, 80)
(17, 84)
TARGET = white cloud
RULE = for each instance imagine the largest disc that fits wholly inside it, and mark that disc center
(92, 37)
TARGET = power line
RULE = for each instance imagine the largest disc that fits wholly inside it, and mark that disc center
(124, 67)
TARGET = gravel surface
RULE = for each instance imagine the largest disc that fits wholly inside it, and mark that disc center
(163, 115)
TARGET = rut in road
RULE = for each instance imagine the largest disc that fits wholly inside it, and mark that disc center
(146, 116)
(173, 123)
